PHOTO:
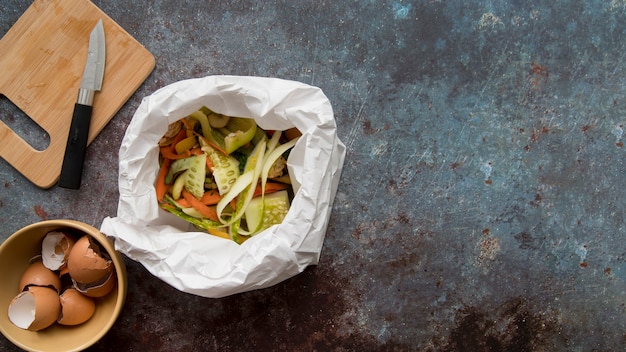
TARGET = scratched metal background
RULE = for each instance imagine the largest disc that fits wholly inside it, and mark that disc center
(482, 202)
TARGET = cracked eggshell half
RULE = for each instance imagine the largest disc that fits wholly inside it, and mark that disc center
(76, 308)
(36, 274)
(35, 309)
(88, 262)
(98, 289)
(55, 248)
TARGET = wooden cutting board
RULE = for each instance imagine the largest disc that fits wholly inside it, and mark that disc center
(42, 58)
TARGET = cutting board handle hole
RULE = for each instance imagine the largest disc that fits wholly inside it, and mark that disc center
(23, 125)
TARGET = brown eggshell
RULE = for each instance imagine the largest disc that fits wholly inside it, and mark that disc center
(55, 248)
(76, 308)
(63, 271)
(98, 289)
(87, 262)
(35, 309)
(66, 280)
(38, 275)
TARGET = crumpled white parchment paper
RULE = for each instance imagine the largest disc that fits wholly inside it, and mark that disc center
(202, 264)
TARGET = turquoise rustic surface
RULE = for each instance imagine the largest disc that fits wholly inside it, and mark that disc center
(482, 201)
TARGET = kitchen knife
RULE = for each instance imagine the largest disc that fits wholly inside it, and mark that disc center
(72, 169)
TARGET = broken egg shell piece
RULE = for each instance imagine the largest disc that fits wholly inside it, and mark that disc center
(98, 289)
(76, 308)
(66, 280)
(35, 309)
(63, 271)
(87, 262)
(36, 274)
(55, 249)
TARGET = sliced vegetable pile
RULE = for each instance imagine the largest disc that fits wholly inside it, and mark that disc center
(225, 174)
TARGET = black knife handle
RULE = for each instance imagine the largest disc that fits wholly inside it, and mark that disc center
(72, 169)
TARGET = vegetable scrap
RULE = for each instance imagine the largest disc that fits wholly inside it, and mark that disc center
(225, 175)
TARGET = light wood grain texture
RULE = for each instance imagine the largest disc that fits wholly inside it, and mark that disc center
(42, 58)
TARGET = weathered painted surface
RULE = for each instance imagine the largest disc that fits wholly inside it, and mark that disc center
(482, 202)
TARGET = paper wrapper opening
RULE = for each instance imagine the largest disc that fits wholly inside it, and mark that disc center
(196, 262)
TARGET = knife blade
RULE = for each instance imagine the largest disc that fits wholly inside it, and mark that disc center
(73, 160)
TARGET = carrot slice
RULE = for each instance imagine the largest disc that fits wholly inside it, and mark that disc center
(160, 185)
(168, 153)
(210, 197)
(196, 151)
(270, 187)
(182, 203)
(205, 210)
